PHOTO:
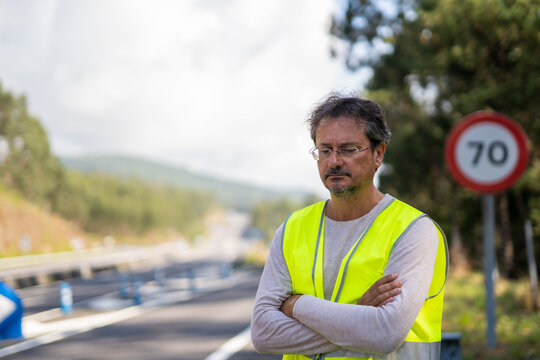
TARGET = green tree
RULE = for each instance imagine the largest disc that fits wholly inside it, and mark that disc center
(108, 205)
(434, 63)
(26, 162)
(269, 214)
(99, 204)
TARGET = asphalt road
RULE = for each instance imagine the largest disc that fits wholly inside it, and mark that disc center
(173, 322)
(193, 329)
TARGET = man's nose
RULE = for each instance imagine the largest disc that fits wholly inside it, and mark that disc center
(335, 160)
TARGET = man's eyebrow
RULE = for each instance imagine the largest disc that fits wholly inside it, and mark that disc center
(347, 143)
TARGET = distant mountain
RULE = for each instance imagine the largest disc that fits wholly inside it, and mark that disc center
(234, 194)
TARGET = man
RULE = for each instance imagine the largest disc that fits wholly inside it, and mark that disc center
(330, 287)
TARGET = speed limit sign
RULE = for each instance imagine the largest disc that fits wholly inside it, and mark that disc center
(487, 152)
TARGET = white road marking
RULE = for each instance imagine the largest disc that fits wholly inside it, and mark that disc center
(232, 346)
(73, 327)
(46, 333)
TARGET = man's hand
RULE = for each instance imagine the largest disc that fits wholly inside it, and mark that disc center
(382, 291)
(288, 305)
(379, 294)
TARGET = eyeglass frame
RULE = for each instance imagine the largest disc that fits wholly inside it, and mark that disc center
(338, 151)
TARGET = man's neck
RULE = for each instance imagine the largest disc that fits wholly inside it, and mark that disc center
(354, 207)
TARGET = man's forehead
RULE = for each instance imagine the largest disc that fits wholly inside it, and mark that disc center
(345, 128)
(342, 121)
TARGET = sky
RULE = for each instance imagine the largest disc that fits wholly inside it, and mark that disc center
(217, 87)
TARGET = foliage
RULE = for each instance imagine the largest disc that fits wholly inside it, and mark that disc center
(99, 204)
(26, 162)
(232, 194)
(441, 61)
(269, 214)
(517, 331)
(105, 204)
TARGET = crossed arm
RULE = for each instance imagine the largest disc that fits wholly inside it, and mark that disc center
(379, 294)
(303, 324)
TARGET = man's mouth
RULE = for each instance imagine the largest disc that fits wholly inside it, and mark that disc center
(334, 173)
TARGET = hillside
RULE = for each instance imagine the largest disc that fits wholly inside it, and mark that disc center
(233, 194)
(23, 224)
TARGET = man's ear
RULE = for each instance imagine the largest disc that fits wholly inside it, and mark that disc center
(379, 154)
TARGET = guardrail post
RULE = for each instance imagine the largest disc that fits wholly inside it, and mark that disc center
(159, 277)
(226, 269)
(86, 271)
(191, 278)
(66, 298)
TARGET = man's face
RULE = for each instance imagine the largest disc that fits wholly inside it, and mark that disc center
(345, 176)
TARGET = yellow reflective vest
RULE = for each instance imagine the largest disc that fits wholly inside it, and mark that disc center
(303, 244)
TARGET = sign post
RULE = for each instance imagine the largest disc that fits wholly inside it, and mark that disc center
(489, 266)
(487, 152)
(532, 263)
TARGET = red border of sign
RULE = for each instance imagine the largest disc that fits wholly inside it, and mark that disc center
(487, 116)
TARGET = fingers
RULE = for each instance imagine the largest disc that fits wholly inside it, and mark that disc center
(386, 279)
(385, 285)
(394, 285)
(389, 300)
(386, 297)
(382, 291)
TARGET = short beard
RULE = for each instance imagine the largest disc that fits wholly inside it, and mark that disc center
(346, 193)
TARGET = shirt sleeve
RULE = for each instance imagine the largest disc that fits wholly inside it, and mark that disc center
(271, 330)
(379, 330)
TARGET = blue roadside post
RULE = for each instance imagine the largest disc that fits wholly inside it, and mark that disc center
(123, 289)
(11, 311)
(66, 298)
(137, 297)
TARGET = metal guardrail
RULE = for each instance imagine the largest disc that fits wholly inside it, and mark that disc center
(224, 241)
(32, 270)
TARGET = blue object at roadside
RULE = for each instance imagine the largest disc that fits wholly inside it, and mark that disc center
(11, 312)
(137, 296)
(66, 298)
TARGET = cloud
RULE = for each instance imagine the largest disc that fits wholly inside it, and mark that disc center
(220, 86)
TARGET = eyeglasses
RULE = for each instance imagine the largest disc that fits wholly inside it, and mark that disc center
(325, 153)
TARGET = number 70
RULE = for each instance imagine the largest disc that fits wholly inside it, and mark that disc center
(497, 152)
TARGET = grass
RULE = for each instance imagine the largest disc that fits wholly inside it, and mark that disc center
(18, 218)
(517, 325)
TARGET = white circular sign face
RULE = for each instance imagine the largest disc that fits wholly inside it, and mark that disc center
(487, 153)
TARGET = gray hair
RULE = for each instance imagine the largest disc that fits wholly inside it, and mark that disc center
(365, 112)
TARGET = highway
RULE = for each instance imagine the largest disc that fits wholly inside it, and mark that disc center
(192, 326)
(195, 308)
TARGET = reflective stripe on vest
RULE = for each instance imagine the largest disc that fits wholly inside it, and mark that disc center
(303, 244)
